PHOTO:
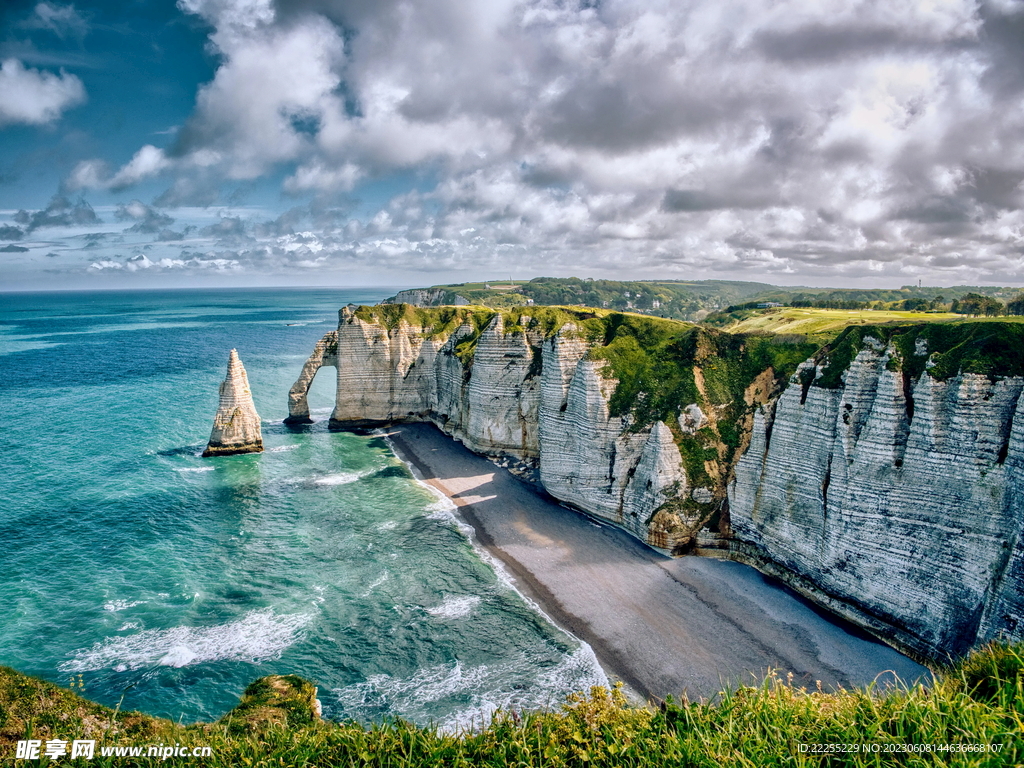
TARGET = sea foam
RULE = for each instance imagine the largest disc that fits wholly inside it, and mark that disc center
(257, 636)
(473, 693)
(454, 607)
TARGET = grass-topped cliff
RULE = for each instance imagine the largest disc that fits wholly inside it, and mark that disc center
(665, 367)
(993, 348)
(973, 716)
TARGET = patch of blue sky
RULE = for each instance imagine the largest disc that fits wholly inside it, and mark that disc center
(149, 50)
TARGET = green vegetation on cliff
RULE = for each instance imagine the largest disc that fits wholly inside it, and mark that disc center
(992, 348)
(816, 325)
(694, 299)
(972, 716)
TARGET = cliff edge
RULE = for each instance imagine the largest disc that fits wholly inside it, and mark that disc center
(881, 476)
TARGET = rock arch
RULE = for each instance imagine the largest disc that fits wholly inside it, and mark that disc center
(324, 353)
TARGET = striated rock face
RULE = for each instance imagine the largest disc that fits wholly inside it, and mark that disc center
(894, 501)
(324, 353)
(888, 486)
(427, 297)
(236, 427)
(516, 393)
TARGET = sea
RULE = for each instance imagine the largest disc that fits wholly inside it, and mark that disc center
(154, 579)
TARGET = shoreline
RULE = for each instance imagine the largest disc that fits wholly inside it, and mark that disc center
(522, 580)
(682, 627)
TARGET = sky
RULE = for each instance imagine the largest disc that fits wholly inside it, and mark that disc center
(389, 142)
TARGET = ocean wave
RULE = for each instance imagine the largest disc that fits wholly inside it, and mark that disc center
(283, 448)
(257, 636)
(120, 605)
(454, 607)
(195, 469)
(473, 694)
(377, 583)
(341, 478)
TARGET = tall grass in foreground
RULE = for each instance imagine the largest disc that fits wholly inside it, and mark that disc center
(976, 705)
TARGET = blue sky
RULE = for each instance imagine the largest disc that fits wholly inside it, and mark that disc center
(337, 142)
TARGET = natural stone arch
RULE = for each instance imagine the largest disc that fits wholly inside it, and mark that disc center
(324, 353)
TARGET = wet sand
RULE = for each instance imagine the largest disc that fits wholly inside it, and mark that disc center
(664, 626)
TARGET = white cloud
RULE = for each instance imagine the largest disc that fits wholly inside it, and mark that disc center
(63, 20)
(36, 97)
(147, 162)
(766, 137)
(88, 174)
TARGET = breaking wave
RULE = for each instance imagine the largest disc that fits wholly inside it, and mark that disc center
(257, 636)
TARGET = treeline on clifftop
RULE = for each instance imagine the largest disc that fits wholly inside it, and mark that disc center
(695, 299)
(971, 715)
(970, 303)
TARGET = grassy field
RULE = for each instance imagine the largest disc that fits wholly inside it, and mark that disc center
(814, 322)
(973, 716)
(824, 324)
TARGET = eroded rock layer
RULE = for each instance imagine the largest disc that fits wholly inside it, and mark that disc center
(880, 478)
(236, 427)
(896, 502)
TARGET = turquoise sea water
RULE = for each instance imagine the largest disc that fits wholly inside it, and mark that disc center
(175, 580)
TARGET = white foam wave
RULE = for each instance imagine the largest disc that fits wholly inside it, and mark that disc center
(443, 503)
(390, 525)
(128, 625)
(120, 605)
(454, 607)
(342, 478)
(195, 469)
(522, 682)
(283, 448)
(377, 583)
(257, 636)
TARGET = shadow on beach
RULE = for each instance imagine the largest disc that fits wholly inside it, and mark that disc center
(663, 626)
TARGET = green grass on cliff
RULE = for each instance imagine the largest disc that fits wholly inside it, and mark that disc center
(819, 324)
(973, 716)
(993, 348)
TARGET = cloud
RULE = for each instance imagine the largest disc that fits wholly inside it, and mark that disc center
(7, 232)
(147, 219)
(13, 249)
(61, 212)
(62, 20)
(816, 141)
(147, 162)
(36, 97)
(141, 262)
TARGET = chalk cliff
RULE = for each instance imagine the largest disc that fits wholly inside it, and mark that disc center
(428, 297)
(893, 496)
(236, 427)
(518, 386)
(883, 476)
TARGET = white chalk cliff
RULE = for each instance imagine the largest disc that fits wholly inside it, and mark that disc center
(897, 506)
(895, 501)
(236, 426)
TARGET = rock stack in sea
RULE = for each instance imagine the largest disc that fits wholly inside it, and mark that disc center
(236, 427)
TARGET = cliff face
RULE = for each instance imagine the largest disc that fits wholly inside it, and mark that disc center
(428, 297)
(236, 426)
(511, 388)
(882, 479)
(894, 499)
